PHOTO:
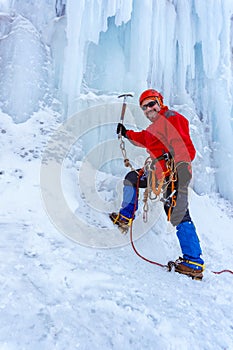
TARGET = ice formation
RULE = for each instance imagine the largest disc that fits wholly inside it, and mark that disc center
(56, 52)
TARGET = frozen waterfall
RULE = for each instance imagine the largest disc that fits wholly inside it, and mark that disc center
(56, 52)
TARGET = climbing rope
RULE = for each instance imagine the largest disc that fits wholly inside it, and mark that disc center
(141, 172)
(222, 271)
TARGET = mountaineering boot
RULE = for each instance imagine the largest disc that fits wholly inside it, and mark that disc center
(191, 263)
(121, 221)
(129, 205)
(189, 268)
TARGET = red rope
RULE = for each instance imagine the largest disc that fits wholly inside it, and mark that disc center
(219, 272)
(131, 227)
(141, 256)
(131, 234)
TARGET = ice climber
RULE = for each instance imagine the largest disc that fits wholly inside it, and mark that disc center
(166, 138)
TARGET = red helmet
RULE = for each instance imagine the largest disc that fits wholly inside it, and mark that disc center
(150, 93)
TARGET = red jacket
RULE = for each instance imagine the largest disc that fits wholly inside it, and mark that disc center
(168, 133)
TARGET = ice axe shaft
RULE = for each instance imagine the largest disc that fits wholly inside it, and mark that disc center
(124, 106)
(122, 143)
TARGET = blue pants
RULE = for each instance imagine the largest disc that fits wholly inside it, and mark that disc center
(180, 217)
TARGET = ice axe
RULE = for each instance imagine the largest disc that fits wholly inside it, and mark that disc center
(123, 108)
(122, 143)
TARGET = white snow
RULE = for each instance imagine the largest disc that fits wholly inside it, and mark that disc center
(58, 294)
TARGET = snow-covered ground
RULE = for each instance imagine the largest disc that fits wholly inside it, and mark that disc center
(58, 294)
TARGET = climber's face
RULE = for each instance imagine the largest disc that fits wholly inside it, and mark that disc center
(151, 109)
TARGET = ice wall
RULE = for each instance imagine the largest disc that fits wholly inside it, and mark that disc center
(85, 21)
(24, 68)
(32, 40)
(181, 47)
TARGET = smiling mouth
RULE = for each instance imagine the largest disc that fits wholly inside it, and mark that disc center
(151, 115)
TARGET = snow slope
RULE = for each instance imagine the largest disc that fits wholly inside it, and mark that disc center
(57, 294)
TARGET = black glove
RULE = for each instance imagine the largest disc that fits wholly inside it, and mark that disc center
(184, 171)
(121, 129)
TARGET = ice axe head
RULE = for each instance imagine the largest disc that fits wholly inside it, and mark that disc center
(126, 95)
(124, 105)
